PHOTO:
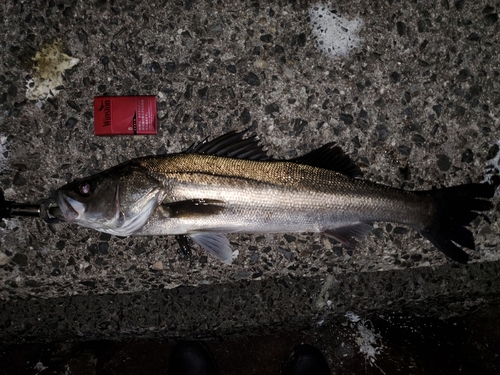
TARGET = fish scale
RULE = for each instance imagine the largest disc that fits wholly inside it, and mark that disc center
(326, 198)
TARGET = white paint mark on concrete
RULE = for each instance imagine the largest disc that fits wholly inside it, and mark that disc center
(335, 36)
(50, 62)
(369, 342)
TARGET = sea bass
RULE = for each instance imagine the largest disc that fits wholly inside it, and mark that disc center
(231, 185)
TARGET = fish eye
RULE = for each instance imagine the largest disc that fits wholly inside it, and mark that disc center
(84, 188)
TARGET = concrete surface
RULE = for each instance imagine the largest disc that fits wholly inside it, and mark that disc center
(416, 105)
(380, 344)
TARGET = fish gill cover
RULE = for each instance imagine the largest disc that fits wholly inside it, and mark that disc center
(335, 36)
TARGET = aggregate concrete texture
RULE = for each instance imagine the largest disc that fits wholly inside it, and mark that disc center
(383, 344)
(416, 105)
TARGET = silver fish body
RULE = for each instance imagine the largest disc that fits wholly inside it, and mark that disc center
(270, 196)
(205, 193)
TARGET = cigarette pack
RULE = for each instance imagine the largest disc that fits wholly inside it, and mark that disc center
(125, 115)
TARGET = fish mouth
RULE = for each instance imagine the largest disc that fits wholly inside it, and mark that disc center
(50, 211)
(54, 215)
(69, 208)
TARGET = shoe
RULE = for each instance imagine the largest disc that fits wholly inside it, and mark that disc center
(305, 360)
(191, 358)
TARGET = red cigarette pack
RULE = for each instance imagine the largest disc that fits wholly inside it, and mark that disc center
(125, 115)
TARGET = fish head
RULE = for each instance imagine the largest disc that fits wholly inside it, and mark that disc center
(118, 201)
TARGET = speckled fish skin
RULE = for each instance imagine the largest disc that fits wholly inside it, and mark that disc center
(211, 189)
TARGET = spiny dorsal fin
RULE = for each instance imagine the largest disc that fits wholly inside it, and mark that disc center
(231, 145)
(330, 157)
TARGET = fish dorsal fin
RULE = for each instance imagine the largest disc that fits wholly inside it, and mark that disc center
(231, 145)
(330, 157)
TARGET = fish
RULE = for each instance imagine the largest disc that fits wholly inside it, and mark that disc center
(231, 185)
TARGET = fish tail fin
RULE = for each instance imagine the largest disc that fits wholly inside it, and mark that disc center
(454, 209)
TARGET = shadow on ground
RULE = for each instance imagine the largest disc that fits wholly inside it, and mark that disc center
(379, 345)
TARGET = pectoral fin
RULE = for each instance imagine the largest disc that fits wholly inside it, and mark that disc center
(193, 208)
(348, 235)
(216, 244)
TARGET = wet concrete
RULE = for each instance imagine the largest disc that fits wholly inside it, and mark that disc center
(250, 307)
(416, 104)
(388, 344)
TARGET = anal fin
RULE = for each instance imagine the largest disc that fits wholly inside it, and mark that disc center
(349, 234)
